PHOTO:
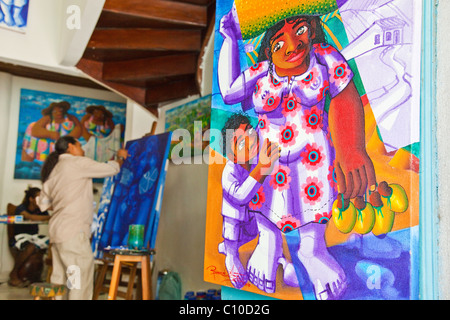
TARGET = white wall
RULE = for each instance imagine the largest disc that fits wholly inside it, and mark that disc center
(51, 40)
(443, 132)
(180, 241)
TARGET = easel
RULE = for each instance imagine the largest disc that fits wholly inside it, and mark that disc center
(118, 260)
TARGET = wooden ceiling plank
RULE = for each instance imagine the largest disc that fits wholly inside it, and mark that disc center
(32, 73)
(155, 67)
(160, 10)
(146, 39)
(171, 91)
(95, 70)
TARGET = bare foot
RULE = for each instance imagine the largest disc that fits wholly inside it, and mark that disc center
(235, 269)
(289, 274)
(324, 271)
(262, 265)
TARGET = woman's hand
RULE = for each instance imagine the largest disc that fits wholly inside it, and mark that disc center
(122, 154)
(229, 25)
(354, 173)
(354, 169)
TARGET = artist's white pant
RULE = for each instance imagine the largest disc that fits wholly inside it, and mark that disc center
(73, 265)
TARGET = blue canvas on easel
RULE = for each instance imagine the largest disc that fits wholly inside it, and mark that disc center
(138, 191)
(100, 217)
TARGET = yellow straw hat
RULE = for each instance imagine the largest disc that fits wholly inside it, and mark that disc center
(256, 16)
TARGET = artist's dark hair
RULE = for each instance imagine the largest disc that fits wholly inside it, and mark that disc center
(229, 128)
(61, 146)
(31, 192)
(265, 43)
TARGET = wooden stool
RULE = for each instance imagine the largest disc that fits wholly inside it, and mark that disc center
(131, 256)
(47, 290)
(102, 283)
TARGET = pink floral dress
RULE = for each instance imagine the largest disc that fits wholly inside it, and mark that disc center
(302, 187)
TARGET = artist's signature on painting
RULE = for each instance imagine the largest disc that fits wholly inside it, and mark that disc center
(232, 276)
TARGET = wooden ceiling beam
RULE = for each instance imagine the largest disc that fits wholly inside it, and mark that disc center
(160, 10)
(146, 39)
(171, 91)
(32, 73)
(95, 70)
(155, 67)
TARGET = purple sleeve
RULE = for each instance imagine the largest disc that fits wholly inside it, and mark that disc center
(339, 72)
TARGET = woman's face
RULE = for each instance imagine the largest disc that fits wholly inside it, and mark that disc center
(33, 200)
(57, 113)
(76, 149)
(290, 47)
(99, 115)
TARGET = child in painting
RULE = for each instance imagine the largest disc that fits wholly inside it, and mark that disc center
(242, 177)
(287, 90)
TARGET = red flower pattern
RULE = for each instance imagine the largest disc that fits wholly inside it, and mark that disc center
(256, 69)
(323, 218)
(312, 190)
(288, 223)
(312, 156)
(287, 134)
(312, 120)
(263, 123)
(258, 200)
(290, 105)
(324, 48)
(280, 179)
(271, 102)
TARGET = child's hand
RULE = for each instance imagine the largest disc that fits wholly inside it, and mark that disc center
(269, 154)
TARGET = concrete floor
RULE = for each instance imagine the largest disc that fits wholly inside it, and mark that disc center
(12, 293)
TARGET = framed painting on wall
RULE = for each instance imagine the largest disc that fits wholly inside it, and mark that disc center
(45, 116)
(317, 196)
(189, 122)
(14, 14)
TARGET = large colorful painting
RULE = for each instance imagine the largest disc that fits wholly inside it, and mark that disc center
(134, 196)
(45, 116)
(14, 14)
(317, 196)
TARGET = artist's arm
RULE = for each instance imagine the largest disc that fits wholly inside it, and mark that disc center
(39, 129)
(90, 168)
(354, 169)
